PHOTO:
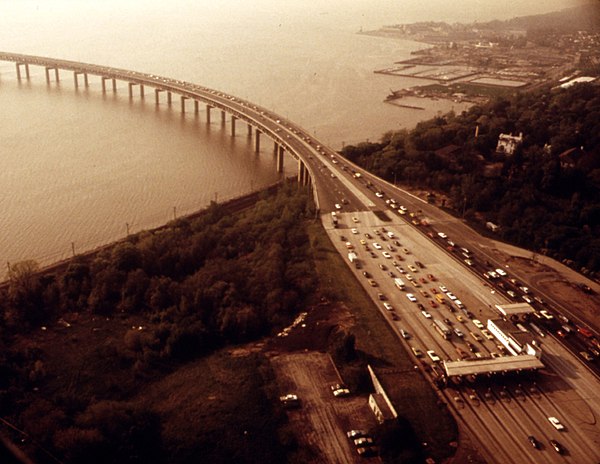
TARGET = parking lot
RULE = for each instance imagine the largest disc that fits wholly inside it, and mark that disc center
(322, 420)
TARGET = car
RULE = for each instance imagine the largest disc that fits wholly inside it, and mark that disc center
(391, 274)
(406, 250)
(468, 262)
(383, 267)
(447, 321)
(478, 324)
(458, 332)
(556, 423)
(373, 255)
(511, 293)
(355, 433)
(472, 348)
(409, 277)
(363, 441)
(412, 268)
(290, 401)
(452, 296)
(372, 283)
(355, 219)
(524, 290)
(527, 299)
(424, 293)
(420, 306)
(433, 304)
(349, 245)
(476, 337)
(377, 246)
(391, 248)
(426, 314)
(411, 297)
(487, 334)
(443, 289)
(366, 451)
(417, 352)
(501, 272)
(404, 334)
(379, 194)
(381, 297)
(354, 231)
(366, 274)
(431, 277)
(459, 318)
(340, 392)
(386, 255)
(442, 235)
(337, 205)
(395, 317)
(557, 446)
(368, 236)
(434, 357)
(585, 355)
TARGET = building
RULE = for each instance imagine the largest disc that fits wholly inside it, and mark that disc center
(508, 143)
(514, 339)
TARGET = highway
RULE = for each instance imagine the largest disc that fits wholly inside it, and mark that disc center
(500, 413)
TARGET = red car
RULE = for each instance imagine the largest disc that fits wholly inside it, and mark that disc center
(431, 277)
(433, 304)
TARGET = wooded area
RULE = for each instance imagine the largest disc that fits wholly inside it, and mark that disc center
(545, 197)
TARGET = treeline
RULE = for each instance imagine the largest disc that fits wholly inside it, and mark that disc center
(541, 200)
(201, 284)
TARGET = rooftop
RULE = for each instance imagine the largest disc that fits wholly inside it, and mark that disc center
(492, 365)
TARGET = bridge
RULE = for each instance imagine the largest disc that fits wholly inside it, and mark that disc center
(286, 136)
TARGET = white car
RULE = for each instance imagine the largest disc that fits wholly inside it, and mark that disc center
(377, 246)
(412, 268)
(388, 306)
(379, 194)
(556, 423)
(386, 255)
(411, 297)
(337, 205)
(478, 324)
(442, 235)
(443, 289)
(501, 272)
(426, 314)
(354, 231)
(452, 296)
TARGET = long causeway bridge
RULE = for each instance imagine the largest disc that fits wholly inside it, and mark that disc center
(286, 136)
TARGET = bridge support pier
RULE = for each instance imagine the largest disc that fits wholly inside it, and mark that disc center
(196, 107)
(169, 98)
(223, 118)
(142, 91)
(157, 96)
(130, 86)
(257, 141)
(76, 78)
(183, 99)
(208, 108)
(249, 130)
(301, 172)
(280, 158)
(56, 75)
(233, 119)
(114, 83)
(18, 65)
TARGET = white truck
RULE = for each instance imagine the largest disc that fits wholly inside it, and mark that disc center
(399, 283)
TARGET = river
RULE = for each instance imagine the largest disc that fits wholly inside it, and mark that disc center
(79, 168)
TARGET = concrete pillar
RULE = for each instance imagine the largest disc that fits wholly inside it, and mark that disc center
(114, 85)
(169, 98)
(130, 86)
(18, 66)
(183, 99)
(47, 75)
(157, 96)
(196, 107)
(18, 70)
(27, 70)
(85, 80)
(249, 130)
(75, 81)
(56, 76)
(280, 159)
(275, 148)
(300, 172)
(223, 117)
(142, 91)
(208, 108)
(103, 79)
(233, 119)
(257, 141)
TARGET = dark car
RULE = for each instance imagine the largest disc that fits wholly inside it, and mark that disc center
(557, 446)
(534, 442)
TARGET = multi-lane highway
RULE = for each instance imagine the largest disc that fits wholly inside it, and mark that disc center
(501, 413)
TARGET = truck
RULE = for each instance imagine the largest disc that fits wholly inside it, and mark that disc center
(334, 219)
(399, 283)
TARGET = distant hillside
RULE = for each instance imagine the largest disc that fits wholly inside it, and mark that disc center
(584, 17)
